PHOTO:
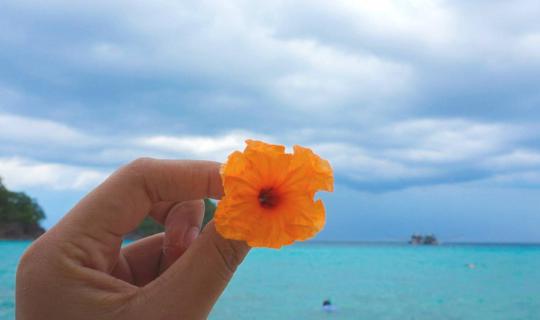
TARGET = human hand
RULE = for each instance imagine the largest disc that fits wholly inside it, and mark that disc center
(78, 270)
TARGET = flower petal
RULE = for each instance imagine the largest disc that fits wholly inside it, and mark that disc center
(319, 170)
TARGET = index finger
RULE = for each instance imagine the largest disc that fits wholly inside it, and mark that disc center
(119, 204)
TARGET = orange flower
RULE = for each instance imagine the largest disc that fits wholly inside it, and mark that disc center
(268, 199)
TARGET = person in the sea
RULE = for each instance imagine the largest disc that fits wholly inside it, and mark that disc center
(327, 306)
(79, 270)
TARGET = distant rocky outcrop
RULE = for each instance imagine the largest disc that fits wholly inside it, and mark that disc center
(429, 239)
(19, 215)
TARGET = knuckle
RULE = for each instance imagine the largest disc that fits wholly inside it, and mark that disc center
(140, 164)
(190, 206)
(26, 264)
(27, 258)
(138, 172)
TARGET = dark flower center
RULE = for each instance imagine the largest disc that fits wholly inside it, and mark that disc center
(268, 198)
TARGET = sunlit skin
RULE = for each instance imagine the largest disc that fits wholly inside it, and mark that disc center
(269, 195)
(78, 269)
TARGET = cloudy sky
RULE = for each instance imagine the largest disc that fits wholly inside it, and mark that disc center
(429, 111)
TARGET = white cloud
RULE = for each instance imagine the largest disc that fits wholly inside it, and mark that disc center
(447, 140)
(517, 158)
(326, 78)
(20, 173)
(25, 130)
(352, 161)
(519, 179)
(528, 47)
(210, 147)
(429, 24)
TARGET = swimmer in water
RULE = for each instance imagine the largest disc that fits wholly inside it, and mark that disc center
(327, 306)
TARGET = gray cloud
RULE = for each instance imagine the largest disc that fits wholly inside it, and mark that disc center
(396, 95)
(400, 155)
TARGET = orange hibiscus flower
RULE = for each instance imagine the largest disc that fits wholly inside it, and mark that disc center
(268, 199)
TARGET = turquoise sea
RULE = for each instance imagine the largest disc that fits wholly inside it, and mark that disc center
(366, 281)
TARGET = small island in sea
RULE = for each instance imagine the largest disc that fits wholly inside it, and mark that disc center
(417, 239)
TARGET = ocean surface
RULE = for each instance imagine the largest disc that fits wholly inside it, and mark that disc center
(366, 281)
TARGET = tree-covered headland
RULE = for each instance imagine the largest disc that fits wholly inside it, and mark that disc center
(19, 215)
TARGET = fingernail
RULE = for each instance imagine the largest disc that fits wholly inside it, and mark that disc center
(191, 235)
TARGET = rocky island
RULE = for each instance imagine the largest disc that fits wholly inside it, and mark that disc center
(429, 239)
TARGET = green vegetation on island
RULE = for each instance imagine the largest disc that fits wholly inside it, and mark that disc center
(19, 215)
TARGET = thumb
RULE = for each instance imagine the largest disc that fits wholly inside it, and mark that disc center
(191, 286)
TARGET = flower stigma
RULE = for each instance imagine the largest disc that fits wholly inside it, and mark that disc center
(268, 198)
